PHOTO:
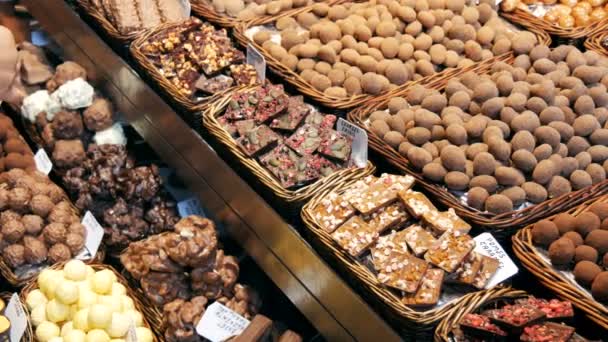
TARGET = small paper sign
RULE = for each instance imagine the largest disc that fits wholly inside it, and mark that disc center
(190, 206)
(94, 233)
(131, 333)
(359, 149)
(255, 58)
(16, 315)
(219, 323)
(43, 162)
(487, 245)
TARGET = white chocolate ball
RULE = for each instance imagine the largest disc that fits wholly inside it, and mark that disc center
(119, 325)
(46, 331)
(56, 311)
(102, 282)
(97, 335)
(38, 315)
(75, 336)
(35, 298)
(67, 328)
(81, 320)
(99, 316)
(144, 334)
(67, 292)
(75, 270)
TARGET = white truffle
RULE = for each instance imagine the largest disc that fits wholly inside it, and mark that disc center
(75, 94)
(38, 102)
(114, 135)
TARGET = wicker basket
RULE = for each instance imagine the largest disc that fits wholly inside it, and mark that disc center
(594, 43)
(525, 251)
(527, 19)
(188, 104)
(450, 322)
(151, 316)
(355, 100)
(502, 225)
(411, 321)
(99, 19)
(28, 334)
(293, 199)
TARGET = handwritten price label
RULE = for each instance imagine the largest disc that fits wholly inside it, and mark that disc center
(219, 323)
(16, 315)
(487, 245)
(359, 150)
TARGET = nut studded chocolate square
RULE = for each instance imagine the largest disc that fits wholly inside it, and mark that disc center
(332, 211)
(488, 268)
(244, 126)
(214, 84)
(258, 140)
(321, 121)
(374, 198)
(289, 168)
(429, 290)
(404, 273)
(360, 186)
(387, 217)
(547, 331)
(441, 222)
(335, 145)
(355, 236)
(416, 203)
(388, 248)
(450, 250)
(467, 272)
(305, 140)
(323, 166)
(418, 239)
(297, 110)
(244, 74)
(272, 101)
(242, 106)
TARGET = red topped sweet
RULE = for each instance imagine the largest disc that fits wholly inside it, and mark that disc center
(552, 308)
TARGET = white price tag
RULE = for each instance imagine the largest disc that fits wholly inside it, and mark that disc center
(131, 333)
(94, 233)
(43, 162)
(487, 245)
(16, 315)
(255, 58)
(219, 323)
(359, 150)
(190, 206)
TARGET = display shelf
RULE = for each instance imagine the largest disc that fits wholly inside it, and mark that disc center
(334, 309)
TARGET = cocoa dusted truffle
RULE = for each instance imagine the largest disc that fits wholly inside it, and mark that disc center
(32, 223)
(561, 252)
(19, 198)
(99, 115)
(64, 72)
(67, 125)
(68, 153)
(75, 242)
(565, 223)
(41, 205)
(586, 222)
(585, 252)
(600, 209)
(585, 271)
(575, 237)
(14, 255)
(544, 232)
(35, 250)
(598, 239)
(13, 231)
(59, 252)
(54, 233)
(599, 287)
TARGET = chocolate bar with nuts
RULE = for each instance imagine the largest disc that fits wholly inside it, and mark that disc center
(272, 101)
(388, 248)
(489, 266)
(548, 331)
(450, 250)
(332, 211)
(289, 168)
(258, 140)
(429, 290)
(387, 217)
(323, 166)
(441, 222)
(242, 106)
(335, 145)
(416, 203)
(418, 239)
(244, 74)
(214, 84)
(467, 272)
(480, 326)
(513, 318)
(403, 272)
(355, 236)
(297, 110)
(554, 308)
(321, 121)
(305, 140)
(244, 126)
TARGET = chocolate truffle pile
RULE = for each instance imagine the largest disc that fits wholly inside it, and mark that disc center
(250, 9)
(579, 243)
(373, 46)
(185, 269)
(14, 152)
(38, 222)
(128, 200)
(525, 132)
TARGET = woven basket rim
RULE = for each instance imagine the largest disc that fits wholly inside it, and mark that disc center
(529, 20)
(355, 100)
(150, 315)
(92, 11)
(525, 251)
(420, 319)
(290, 196)
(594, 43)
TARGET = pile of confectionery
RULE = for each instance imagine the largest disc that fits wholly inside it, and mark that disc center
(78, 303)
(14, 151)
(198, 59)
(579, 244)
(5, 324)
(185, 270)
(368, 47)
(527, 319)
(522, 133)
(128, 16)
(566, 14)
(433, 248)
(296, 143)
(250, 9)
(39, 224)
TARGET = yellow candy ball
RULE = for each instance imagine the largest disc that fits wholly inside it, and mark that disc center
(75, 336)
(86, 298)
(35, 298)
(38, 315)
(90, 272)
(97, 335)
(48, 280)
(127, 303)
(57, 311)
(75, 270)
(81, 320)
(46, 331)
(102, 282)
(99, 316)
(67, 292)
(66, 328)
(144, 335)
(119, 325)
(113, 302)
(56, 339)
(118, 289)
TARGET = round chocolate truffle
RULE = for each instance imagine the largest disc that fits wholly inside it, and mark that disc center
(544, 232)
(598, 239)
(575, 237)
(599, 287)
(600, 209)
(561, 252)
(585, 271)
(586, 222)
(585, 252)
(565, 223)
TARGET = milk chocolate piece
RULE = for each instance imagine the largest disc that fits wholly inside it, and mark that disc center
(355, 236)
(429, 290)
(387, 248)
(387, 217)
(547, 331)
(467, 272)
(450, 250)
(416, 203)
(418, 239)
(332, 211)
(514, 318)
(404, 272)
(480, 326)
(441, 222)
(489, 266)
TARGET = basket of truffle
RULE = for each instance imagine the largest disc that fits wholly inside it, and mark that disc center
(192, 62)
(6, 324)
(507, 147)
(40, 226)
(72, 301)
(15, 152)
(510, 315)
(568, 253)
(415, 262)
(286, 143)
(570, 19)
(183, 273)
(228, 13)
(598, 43)
(348, 53)
(124, 21)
